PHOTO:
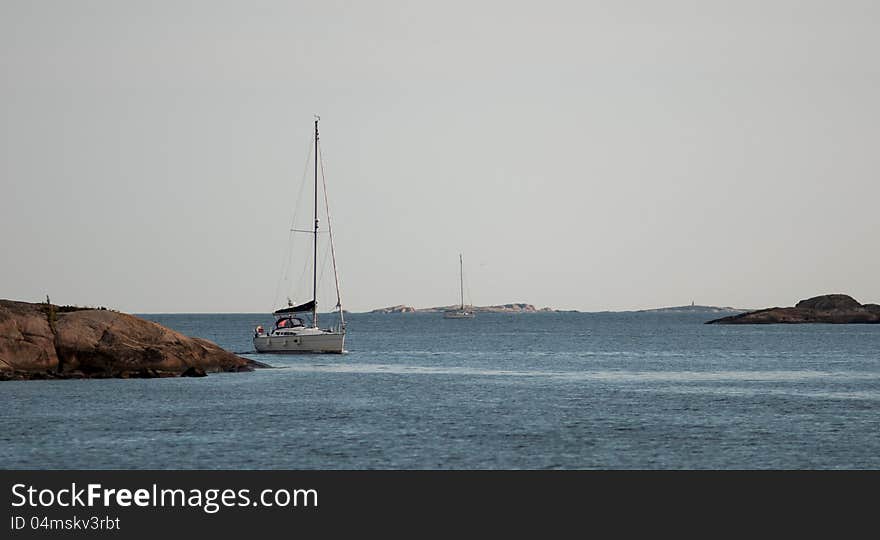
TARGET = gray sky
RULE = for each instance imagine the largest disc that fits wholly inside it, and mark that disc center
(582, 155)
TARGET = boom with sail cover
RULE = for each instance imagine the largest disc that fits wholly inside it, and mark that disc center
(308, 306)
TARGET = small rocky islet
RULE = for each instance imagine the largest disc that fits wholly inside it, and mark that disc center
(828, 309)
(45, 341)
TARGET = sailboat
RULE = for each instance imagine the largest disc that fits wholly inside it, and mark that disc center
(293, 332)
(460, 312)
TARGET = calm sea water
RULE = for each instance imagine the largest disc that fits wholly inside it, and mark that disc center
(562, 390)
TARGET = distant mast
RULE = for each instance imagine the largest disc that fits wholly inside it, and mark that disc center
(461, 279)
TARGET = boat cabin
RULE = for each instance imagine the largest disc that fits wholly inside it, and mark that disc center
(283, 324)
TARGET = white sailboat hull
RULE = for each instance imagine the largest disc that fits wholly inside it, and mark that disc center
(458, 315)
(312, 342)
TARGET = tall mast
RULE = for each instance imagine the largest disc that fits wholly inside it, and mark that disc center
(461, 279)
(315, 250)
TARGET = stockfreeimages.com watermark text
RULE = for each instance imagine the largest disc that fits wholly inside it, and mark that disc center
(209, 500)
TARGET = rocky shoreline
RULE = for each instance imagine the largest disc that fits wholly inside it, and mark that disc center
(692, 309)
(829, 309)
(501, 308)
(45, 341)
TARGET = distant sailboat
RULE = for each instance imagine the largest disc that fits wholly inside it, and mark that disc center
(291, 333)
(461, 312)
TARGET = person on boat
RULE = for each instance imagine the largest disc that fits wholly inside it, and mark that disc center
(259, 330)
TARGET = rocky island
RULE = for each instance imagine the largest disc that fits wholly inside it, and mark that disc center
(829, 308)
(693, 308)
(45, 341)
(501, 308)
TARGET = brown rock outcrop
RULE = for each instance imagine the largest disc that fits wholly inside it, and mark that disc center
(45, 341)
(27, 342)
(829, 308)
